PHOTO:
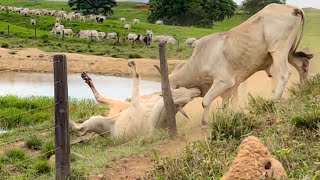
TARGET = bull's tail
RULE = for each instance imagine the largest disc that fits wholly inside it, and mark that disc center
(75, 126)
(303, 21)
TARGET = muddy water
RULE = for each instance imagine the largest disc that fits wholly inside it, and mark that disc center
(39, 84)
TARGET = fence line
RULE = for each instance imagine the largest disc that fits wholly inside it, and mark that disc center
(26, 112)
(35, 157)
(26, 136)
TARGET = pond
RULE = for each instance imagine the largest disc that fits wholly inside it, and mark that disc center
(40, 84)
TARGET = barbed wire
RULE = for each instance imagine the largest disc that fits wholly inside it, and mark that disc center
(35, 157)
(26, 136)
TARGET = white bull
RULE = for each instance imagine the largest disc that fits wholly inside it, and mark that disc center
(220, 62)
(144, 114)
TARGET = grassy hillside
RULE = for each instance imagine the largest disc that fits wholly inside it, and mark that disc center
(22, 33)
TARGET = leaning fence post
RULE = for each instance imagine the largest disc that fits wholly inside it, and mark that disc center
(62, 138)
(170, 109)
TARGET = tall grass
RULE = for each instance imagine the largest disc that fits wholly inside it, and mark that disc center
(289, 128)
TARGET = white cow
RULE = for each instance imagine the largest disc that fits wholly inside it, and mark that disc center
(127, 26)
(220, 62)
(33, 22)
(131, 36)
(149, 33)
(122, 19)
(102, 34)
(67, 32)
(136, 21)
(144, 114)
(191, 42)
(111, 35)
(88, 34)
(159, 22)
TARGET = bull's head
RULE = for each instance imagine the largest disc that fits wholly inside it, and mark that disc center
(300, 60)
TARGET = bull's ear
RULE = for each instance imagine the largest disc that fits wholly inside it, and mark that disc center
(158, 68)
(303, 54)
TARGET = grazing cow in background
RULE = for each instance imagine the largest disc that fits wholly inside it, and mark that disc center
(143, 39)
(122, 19)
(191, 42)
(101, 18)
(67, 32)
(220, 62)
(33, 22)
(127, 26)
(159, 22)
(131, 37)
(136, 21)
(149, 33)
(111, 35)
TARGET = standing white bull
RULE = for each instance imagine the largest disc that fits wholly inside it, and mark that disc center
(33, 22)
(122, 19)
(220, 62)
(131, 37)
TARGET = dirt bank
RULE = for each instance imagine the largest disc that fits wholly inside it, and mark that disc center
(35, 60)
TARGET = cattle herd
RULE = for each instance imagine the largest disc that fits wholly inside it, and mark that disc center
(60, 29)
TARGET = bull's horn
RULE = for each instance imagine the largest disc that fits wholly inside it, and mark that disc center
(156, 66)
(183, 112)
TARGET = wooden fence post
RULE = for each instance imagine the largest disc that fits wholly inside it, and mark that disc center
(170, 109)
(62, 136)
(35, 31)
(8, 30)
(63, 35)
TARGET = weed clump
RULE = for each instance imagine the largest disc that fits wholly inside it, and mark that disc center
(42, 167)
(33, 142)
(48, 149)
(15, 155)
(134, 56)
(307, 120)
(228, 124)
(5, 45)
(259, 105)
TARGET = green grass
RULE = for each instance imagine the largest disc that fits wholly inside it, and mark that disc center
(294, 142)
(34, 142)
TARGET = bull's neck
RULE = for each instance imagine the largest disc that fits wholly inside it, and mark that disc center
(185, 77)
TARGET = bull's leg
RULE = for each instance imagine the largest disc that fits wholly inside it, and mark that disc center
(98, 97)
(230, 97)
(218, 87)
(280, 71)
(136, 83)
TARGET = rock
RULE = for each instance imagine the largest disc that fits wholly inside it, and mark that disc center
(52, 160)
(254, 161)
(100, 176)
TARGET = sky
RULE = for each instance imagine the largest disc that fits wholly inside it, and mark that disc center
(299, 3)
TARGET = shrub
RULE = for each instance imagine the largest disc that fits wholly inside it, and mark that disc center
(228, 124)
(48, 149)
(42, 167)
(5, 45)
(307, 119)
(259, 105)
(33, 142)
(134, 56)
(15, 155)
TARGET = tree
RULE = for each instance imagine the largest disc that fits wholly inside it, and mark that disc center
(93, 6)
(253, 6)
(191, 12)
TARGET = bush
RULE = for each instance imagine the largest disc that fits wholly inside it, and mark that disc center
(42, 167)
(307, 119)
(5, 45)
(228, 124)
(48, 149)
(134, 56)
(33, 142)
(259, 105)
(15, 155)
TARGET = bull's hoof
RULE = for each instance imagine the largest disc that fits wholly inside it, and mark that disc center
(131, 64)
(85, 76)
